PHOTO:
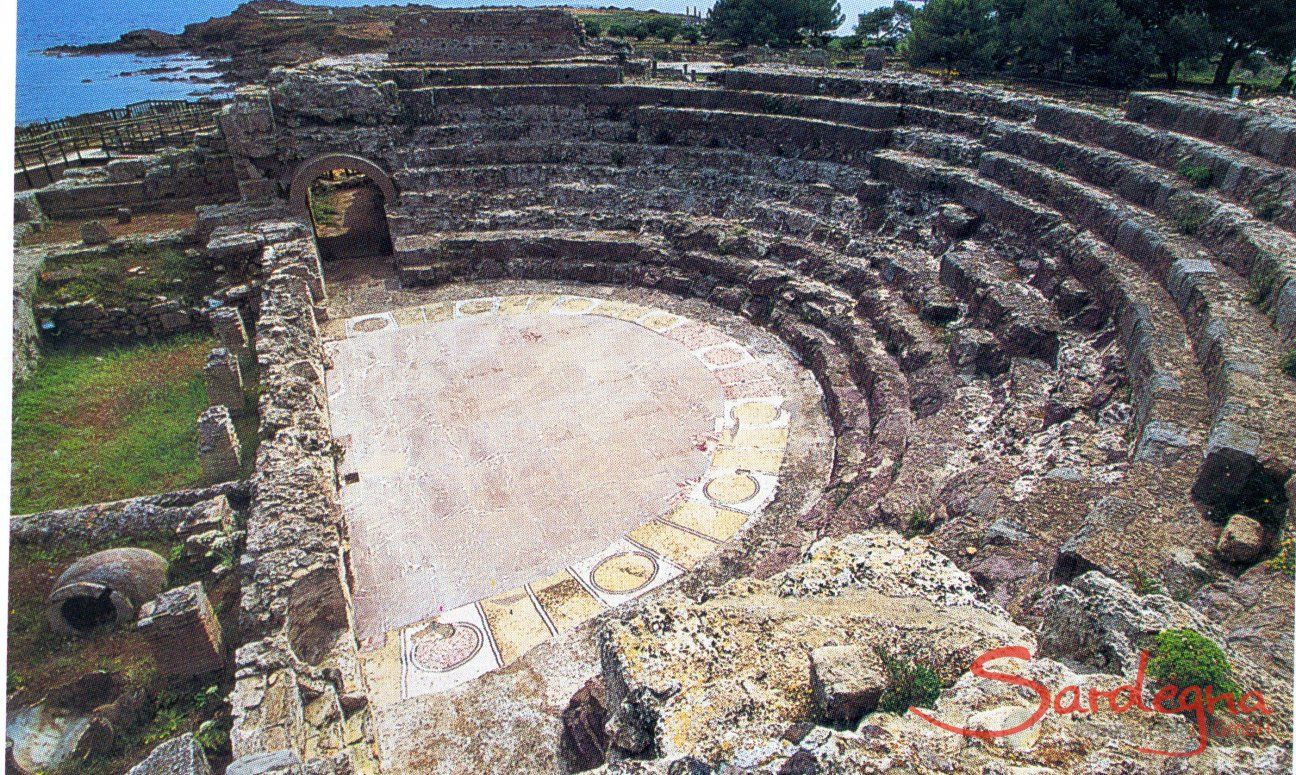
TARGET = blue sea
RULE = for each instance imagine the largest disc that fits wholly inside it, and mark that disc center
(52, 87)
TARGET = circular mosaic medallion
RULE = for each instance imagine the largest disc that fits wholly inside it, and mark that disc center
(755, 413)
(659, 320)
(724, 356)
(575, 305)
(371, 324)
(476, 307)
(622, 574)
(442, 647)
(731, 489)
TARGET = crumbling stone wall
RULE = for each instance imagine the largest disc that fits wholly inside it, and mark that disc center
(487, 35)
(296, 668)
(101, 523)
(203, 171)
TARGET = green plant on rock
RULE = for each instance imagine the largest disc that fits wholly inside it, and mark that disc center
(1189, 220)
(1198, 174)
(1288, 364)
(909, 684)
(919, 521)
(1187, 658)
(1284, 561)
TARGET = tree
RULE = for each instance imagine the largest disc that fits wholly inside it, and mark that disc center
(663, 26)
(956, 34)
(593, 28)
(618, 30)
(886, 26)
(1183, 38)
(1245, 26)
(776, 22)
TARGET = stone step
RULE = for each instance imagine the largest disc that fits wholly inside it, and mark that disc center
(1238, 350)
(805, 138)
(911, 89)
(845, 178)
(1267, 189)
(412, 76)
(1171, 417)
(1265, 255)
(1168, 387)
(1263, 133)
(441, 181)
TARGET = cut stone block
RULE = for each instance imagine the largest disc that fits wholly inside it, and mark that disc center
(1242, 539)
(227, 324)
(218, 445)
(182, 632)
(224, 380)
(95, 233)
(845, 683)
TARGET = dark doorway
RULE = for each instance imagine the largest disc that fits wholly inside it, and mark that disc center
(347, 211)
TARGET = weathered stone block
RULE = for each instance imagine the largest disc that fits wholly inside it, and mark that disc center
(95, 233)
(1242, 539)
(224, 380)
(218, 445)
(227, 324)
(177, 756)
(845, 683)
(182, 632)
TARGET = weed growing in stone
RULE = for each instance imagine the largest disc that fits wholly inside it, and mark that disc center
(909, 684)
(1198, 174)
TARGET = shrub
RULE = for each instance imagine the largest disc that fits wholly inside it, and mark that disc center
(919, 521)
(593, 28)
(1284, 561)
(1198, 174)
(909, 684)
(1186, 658)
(1288, 364)
(1190, 219)
(618, 30)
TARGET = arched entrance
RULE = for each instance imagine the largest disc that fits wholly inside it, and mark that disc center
(345, 197)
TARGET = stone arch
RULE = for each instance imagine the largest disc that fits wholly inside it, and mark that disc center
(298, 192)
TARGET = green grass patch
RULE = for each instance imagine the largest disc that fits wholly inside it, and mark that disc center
(116, 278)
(98, 425)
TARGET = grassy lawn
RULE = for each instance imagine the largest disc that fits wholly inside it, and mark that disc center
(118, 278)
(99, 425)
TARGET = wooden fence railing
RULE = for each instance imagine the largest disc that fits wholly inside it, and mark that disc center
(142, 127)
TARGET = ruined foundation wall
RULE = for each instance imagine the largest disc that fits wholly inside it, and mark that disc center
(297, 661)
(487, 36)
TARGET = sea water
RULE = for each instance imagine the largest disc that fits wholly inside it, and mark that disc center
(56, 86)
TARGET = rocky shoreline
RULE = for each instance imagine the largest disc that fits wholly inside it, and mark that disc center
(259, 35)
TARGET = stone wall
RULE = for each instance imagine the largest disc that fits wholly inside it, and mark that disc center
(101, 523)
(200, 172)
(504, 35)
(296, 672)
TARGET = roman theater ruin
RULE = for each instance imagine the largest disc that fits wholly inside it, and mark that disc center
(676, 405)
